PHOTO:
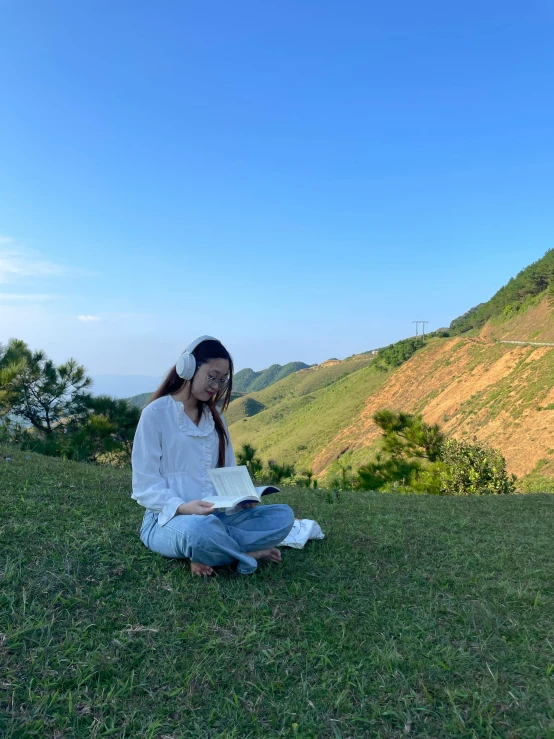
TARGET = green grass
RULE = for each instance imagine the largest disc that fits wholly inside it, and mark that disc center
(297, 427)
(301, 384)
(536, 480)
(415, 617)
(247, 381)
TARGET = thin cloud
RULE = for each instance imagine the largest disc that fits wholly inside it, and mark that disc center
(117, 317)
(28, 297)
(17, 263)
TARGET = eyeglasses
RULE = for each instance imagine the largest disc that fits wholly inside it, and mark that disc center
(220, 382)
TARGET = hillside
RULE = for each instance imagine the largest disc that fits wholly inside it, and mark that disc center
(303, 412)
(502, 394)
(248, 381)
(301, 383)
(522, 291)
(499, 393)
(534, 324)
(416, 616)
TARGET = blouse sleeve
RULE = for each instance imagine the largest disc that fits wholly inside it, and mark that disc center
(149, 487)
(229, 451)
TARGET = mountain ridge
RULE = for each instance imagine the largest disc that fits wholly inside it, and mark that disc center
(246, 378)
(471, 384)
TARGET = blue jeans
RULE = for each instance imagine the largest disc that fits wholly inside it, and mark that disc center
(219, 538)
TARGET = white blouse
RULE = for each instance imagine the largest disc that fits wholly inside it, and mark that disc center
(172, 456)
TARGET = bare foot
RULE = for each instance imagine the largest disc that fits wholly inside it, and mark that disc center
(197, 568)
(273, 554)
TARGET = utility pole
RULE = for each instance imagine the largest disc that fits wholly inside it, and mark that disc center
(417, 328)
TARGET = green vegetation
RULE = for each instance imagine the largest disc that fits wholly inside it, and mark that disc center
(248, 381)
(473, 469)
(550, 294)
(273, 473)
(307, 410)
(243, 408)
(536, 481)
(396, 354)
(415, 616)
(48, 409)
(310, 380)
(246, 456)
(529, 285)
(38, 392)
(416, 457)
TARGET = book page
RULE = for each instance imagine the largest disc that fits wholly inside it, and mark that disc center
(233, 482)
(219, 502)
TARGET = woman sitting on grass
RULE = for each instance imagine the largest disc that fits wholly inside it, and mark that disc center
(180, 436)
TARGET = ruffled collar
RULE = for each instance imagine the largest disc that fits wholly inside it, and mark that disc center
(204, 428)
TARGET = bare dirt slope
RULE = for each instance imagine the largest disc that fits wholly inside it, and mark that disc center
(535, 324)
(499, 393)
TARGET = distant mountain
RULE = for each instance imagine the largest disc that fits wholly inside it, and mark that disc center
(122, 386)
(248, 381)
(139, 401)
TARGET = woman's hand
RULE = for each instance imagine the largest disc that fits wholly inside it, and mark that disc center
(195, 507)
(246, 504)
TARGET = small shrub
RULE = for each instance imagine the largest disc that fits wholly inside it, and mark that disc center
(247, 456)
(418, 458)
(378, 475)
(278, 472)
(471, 469)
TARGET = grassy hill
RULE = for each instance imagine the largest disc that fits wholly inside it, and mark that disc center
(526, 289)
(248, 381)
(304, 411)
(472, 385)
(301, 383)
(416, 616)
(500, 393)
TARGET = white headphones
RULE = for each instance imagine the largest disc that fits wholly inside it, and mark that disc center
(186, 364)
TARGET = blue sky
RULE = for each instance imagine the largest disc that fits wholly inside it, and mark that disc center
(301, 179)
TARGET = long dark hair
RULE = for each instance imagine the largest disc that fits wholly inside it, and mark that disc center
(172, 383)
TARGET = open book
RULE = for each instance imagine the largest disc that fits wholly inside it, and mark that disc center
(233, 486)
